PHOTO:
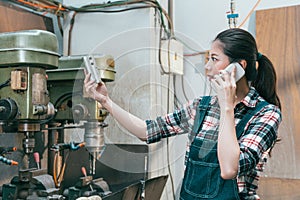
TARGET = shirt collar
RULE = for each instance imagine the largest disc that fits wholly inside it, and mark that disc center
(251, 98)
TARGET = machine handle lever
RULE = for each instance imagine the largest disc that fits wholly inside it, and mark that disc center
(36, 156)
(83, 170)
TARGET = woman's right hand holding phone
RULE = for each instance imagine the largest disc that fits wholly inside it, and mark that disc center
(225, 86)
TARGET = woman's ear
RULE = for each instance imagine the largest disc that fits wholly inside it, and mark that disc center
(243, 63)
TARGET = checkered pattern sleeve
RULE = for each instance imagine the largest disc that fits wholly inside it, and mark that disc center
(178, 122)
(260, 134)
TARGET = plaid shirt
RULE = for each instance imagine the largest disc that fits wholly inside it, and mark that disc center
(259, 134)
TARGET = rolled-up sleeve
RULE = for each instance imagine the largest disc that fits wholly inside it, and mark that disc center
(260, 134)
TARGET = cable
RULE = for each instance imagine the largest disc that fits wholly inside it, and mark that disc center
(58, 174)
(59, 9)
(183, 89)
(177, 102)
(62, 171)
(150, 3)
(168, 146)
(197, 52)
(58, 170)
(163, 71)
(169, 169)
(56, 7)
(70, 33)
(42, 6)
(113, 11)
(60, 28)
(5, 84)
(103, 8)
(252, 10)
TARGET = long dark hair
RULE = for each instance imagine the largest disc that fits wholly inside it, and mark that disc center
(238, 45)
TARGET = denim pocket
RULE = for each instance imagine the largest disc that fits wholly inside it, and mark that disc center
(202, 179)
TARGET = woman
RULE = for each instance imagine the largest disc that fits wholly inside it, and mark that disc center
(239, 123)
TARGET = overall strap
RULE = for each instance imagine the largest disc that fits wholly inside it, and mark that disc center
(241, 125)
(202, 109)
(200, 114)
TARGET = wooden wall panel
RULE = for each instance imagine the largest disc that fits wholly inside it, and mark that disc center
(279, 189)
(13, 19)
(278, 37)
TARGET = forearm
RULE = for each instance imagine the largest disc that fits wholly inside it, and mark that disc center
(133, 124)
(228, 146)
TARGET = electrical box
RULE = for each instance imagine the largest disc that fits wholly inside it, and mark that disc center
(171, 56)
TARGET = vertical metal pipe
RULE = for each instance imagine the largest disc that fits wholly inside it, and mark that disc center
(170, 10)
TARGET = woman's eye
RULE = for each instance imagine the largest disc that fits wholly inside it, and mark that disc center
(213, 58)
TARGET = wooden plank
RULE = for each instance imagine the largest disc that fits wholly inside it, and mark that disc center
(278, 37)
(279, 189)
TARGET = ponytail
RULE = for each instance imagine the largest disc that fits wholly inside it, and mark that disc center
(265, 81)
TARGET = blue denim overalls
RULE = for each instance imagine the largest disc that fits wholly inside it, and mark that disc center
(202, 178)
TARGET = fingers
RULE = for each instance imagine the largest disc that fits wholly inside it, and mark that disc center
(91, 90)
(225, 75)
(232, 76)
(222, 78)
(87, 80)
(94, 90)
(89, 85)
(217, 81)
(87, 77)
(215, 85)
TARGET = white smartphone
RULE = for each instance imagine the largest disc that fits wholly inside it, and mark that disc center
(90, 65)
(240, 72)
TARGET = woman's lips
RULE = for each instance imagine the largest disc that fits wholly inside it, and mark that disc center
(210, 77)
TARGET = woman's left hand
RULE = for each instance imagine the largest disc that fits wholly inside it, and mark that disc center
(225, 86)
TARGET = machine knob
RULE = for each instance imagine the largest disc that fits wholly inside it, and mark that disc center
(8, 109)
(80, 112)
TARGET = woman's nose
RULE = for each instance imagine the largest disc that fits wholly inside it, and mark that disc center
(208, 65)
